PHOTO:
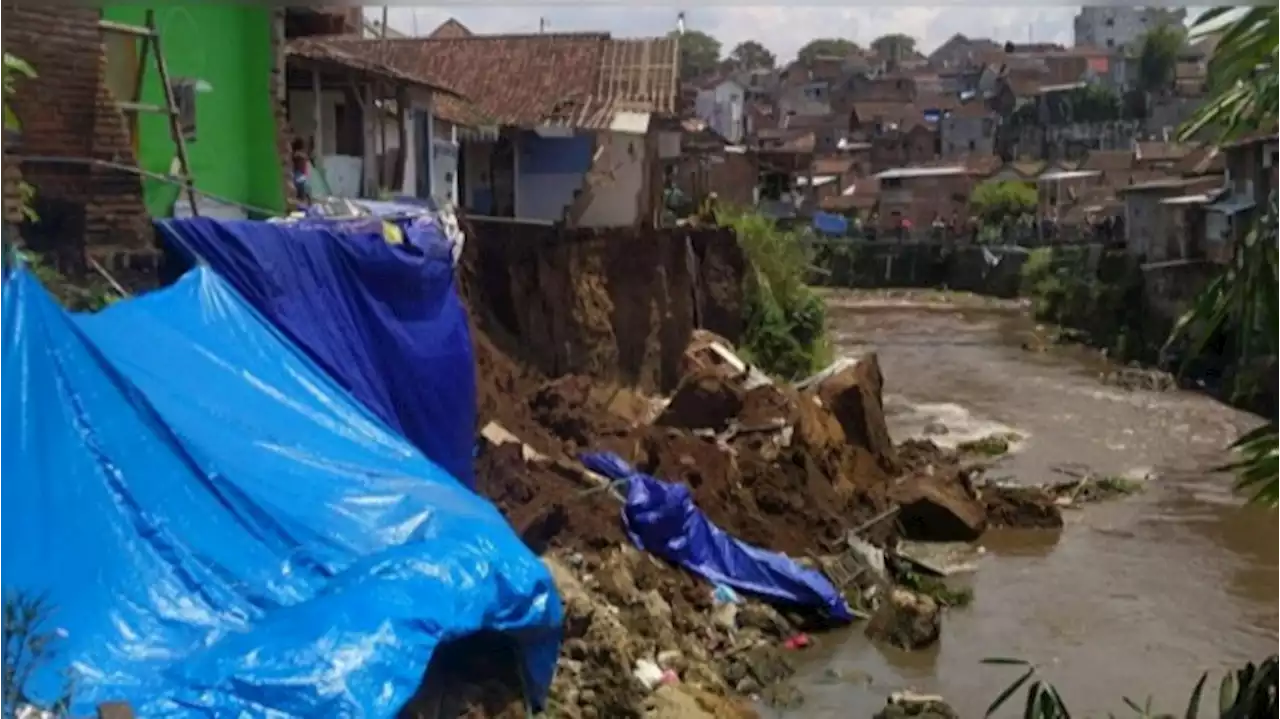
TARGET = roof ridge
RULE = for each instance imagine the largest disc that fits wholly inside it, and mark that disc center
(583, 35)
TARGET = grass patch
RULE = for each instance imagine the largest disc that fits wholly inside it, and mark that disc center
(993, 445)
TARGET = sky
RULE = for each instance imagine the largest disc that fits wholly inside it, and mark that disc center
(781, 28)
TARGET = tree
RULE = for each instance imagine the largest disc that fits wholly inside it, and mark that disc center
(995, 202)
(1158, 57)
(1242, 301)
(894, 46)
(751, 55)
(826, 47)
(699, 53)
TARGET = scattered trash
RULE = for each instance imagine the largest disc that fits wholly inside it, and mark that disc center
(648, 674)
(798, 641)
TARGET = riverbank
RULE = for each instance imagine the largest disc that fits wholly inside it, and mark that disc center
(1093, 602)
(793, 470)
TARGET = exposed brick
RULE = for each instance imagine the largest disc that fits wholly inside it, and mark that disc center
(67, 111)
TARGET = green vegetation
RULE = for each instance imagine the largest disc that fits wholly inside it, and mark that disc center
(751, 55)
(88, 294)
(1105, 303)
(14, 67)
(938, 590)
(993, 445)
(785, 332)
(998, 203)
(28, 645)
(1244, 693)
(699, 53)
(826, 47)
(1158, 57)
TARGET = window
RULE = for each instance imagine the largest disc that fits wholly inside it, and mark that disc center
(988, 126)
(184, 98)
(892, 183)
(1111, 42)
(1110, 22)
(972, 145)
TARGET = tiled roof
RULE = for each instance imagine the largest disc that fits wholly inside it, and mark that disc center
(778, 140)
(332, 53)
(576, 79)
(450, 29)
(904, 115)
(1201, 161)
(973, 108)
(1162, 151)
(1108, 160)
(832, 165)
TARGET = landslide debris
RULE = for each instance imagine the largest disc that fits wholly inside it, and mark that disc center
(788, 470)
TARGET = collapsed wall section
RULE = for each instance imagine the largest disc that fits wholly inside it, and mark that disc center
(67, 111)
(616, 304)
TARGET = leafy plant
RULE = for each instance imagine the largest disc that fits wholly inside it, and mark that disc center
(14, 67)
(28, 646)
(997, 202)
(1158, 56)
(1244, 693)
(785, 332)
(1242, 72)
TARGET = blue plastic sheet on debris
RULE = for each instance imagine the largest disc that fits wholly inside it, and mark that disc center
(829, 224)
(219, 529)
(384, 320)
(661, 518)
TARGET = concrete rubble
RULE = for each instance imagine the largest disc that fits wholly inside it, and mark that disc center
(809, 471)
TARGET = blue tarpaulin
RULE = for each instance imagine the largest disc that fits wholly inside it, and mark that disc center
(661, 518)
(385, 321)
(829, 224)
(221, 530)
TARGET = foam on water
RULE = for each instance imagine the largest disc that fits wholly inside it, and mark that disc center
(908, 420)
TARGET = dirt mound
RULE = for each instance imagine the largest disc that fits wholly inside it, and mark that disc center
(546, 508)
(575, 409)
(707, 398)
(502, 387)
(1020, 507)
(775, 497)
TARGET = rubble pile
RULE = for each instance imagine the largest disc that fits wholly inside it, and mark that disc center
(789, 469)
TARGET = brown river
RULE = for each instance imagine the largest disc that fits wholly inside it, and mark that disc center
(1133, 598)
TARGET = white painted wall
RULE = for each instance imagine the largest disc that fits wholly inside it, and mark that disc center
(722, 108)
(616, 197)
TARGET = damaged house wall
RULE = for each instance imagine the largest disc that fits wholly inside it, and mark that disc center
(67, 111)
(618, 304)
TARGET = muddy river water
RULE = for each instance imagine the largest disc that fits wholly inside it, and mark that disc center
(1133, 598)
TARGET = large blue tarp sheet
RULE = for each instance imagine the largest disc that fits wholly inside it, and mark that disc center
(219, 529)
(384, 320)
(661, 518)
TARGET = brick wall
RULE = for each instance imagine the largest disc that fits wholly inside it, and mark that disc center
(68, 112)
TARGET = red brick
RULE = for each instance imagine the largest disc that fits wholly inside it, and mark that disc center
(67, 111)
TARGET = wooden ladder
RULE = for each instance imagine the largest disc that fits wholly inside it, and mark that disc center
(151, 41)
